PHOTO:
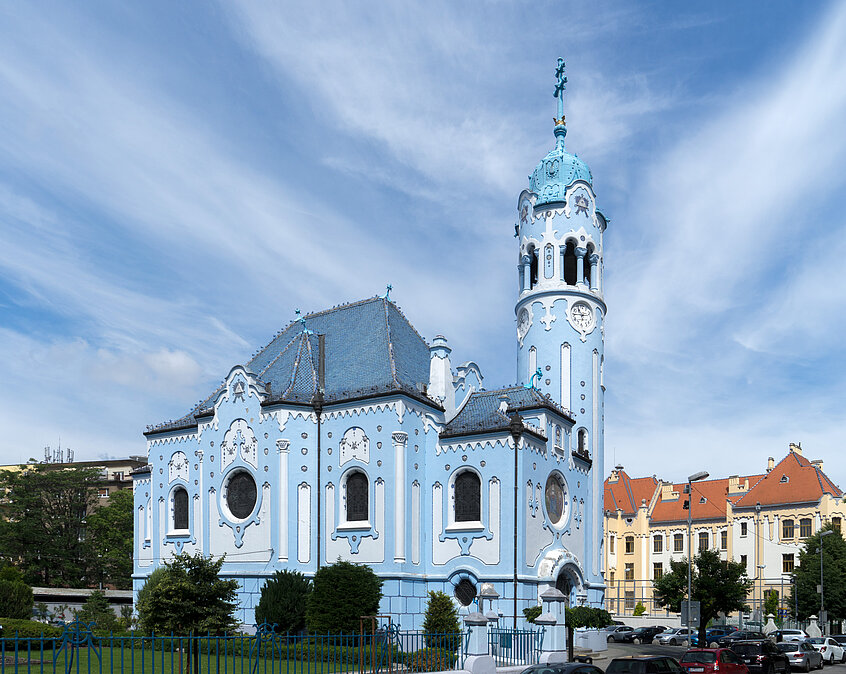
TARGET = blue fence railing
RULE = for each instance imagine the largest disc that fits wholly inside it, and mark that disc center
(80, 649)
(515, 647)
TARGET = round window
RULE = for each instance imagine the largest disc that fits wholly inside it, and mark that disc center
(556, 499)
(241, 494)
(465, 592)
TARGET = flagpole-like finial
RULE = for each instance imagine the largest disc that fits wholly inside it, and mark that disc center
(560, 86)
(388, 290)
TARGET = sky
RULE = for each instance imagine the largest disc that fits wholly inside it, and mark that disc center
(176, 179)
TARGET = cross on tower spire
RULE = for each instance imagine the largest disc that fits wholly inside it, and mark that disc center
(560, 86)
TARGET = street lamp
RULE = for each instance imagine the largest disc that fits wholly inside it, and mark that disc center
(823, 534)
(701, 475)
(761, 568)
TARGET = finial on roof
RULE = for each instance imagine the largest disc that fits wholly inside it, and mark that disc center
(537, 373)
(560, 86)
(388, 290)
(301, 320)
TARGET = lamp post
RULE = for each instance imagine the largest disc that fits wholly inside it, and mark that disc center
(823, 534)
(701, 475)
(761, 568)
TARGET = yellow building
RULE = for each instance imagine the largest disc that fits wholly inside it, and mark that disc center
(115, 472)
(760, 520)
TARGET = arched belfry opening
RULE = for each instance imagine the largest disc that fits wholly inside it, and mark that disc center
(569, 266)
(590, 251)
(533, 265)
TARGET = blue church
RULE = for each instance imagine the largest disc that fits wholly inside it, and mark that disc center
(350, 436)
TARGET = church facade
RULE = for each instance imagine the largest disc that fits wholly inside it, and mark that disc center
(349, 436)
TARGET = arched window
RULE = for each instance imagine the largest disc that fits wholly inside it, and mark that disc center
(583, 442)
(590, 250)
(357, 498)
(468, 497)
(565, 586)
(533, 261)
(180, 508)
(569, 266)
(465, 592)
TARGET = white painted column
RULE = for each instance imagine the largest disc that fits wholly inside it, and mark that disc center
(527, 272)
(598, 492)
(594, 271)
(400, 440)
(580, 264)
(283, 446)
(565, 376)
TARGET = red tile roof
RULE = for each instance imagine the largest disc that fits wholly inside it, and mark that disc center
(709, 502)
(793, 480)
(627, 493)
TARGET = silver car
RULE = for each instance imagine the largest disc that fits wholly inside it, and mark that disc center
(802, 655)
(676, 636)
(613, 632)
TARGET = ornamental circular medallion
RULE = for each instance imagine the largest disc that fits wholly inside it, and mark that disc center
(555, 497)
(241, 494)
(581, 316)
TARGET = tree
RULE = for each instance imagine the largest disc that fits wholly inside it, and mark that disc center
(342, 593)
(15, 599)
(43, 520)
(806, 576)
(97, 610)
(110, 533)
(771, 605)
(283, 601)
(441, 619)
(718, 586)
(186, 595)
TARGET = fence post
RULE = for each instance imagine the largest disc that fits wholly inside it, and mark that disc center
(478, 661)
(554, 624)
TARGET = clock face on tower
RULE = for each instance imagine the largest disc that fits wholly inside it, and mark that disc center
(522, 324)
(581, 315)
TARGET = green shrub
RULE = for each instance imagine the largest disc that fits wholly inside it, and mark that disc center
(430, 660)
(532, 612)
(341, 594)
(586, 616)
(97, 610)
(28, 629)
(441, 620)
(639, 609)
(283, 601)
(15, 600)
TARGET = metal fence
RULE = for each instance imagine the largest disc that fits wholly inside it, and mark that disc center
(80, 649)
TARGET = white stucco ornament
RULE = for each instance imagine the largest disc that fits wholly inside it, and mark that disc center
(354, 445)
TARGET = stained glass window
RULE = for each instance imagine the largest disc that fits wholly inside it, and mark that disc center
(180, 509)
(357, 503)
(468, 497)
(465, 591)
(241, 494)
(554, 498)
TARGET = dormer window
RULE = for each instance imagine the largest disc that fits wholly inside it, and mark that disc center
(703, 500)
(784, 479)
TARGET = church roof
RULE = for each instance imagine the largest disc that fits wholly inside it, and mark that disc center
(555, 173)
(481, 413)
(371, 349)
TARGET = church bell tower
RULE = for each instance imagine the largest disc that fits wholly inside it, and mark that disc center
(560, 309)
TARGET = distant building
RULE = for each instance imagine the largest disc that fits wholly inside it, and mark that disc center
(350, 436)
(760, 520)
(116, 473)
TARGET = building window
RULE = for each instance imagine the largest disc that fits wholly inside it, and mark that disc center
(629, 571)
(118, 476)
(743, 528)
(569, 266)
(745, 561)
(180, 508)
(787, 529)
(241, 494)
(630, 600)
(703, 541)
(678, 543)
(468, 497)
(583, 442)
(805, 528)
(657, 570)
(611, 544)
(610, 579)
(724, 540)
(658, 543)
(465, 592)
(358, 504)
(103, 492)
(835, 523)
(629, 545)
(787, 563)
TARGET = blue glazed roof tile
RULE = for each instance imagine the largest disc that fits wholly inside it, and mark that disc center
(371, 348)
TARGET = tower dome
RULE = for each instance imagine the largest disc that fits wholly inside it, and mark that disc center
(559, 169)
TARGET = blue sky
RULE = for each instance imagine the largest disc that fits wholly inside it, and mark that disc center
(177, 178)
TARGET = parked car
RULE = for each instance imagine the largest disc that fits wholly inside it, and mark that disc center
(712, 634)
(615, 632)
(831, 650)
(674, 637)
(839, 638)
(802, 655)
(642, 635)
(644, 664)
(710, 660)
(761, 656)
(740, 635)
(788, 635)
(563, 668)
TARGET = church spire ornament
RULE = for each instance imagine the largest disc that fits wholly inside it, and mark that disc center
(560, 86)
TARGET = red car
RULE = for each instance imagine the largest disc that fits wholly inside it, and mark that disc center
(710, 660)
